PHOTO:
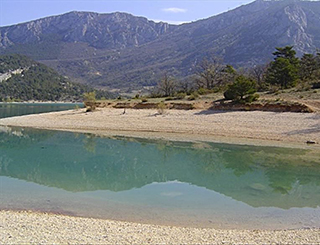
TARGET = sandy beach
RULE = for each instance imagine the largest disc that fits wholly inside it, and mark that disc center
(27, 227)
(265, 128)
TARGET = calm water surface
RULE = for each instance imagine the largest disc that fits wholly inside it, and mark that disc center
(171, 183)
(18, 109)
(188, 184)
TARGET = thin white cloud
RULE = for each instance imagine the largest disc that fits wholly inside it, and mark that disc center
(174, 10)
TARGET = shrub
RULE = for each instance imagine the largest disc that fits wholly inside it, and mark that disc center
(90, 101)
(194, 96)
(181, 95)
(169, 98)
(241, 90)
(229, 95)
(161, 108)
(273, 89)
(251, 98)
(303, 86)
(144, 100)
(203, 91)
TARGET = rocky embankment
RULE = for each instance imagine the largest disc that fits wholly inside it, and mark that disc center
(282, 106)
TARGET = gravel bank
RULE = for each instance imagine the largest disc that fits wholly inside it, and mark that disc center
(28, 227)
(258, 127)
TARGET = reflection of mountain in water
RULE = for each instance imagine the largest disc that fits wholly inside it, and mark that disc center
(258, 176)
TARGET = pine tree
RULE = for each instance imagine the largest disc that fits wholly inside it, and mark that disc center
(284, 69)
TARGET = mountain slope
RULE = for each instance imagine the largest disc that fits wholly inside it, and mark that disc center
(110, 31)
(122, 51)
(24, 79)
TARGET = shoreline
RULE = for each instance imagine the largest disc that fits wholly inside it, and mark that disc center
(253, 128)
(245, 128)
(44, 228)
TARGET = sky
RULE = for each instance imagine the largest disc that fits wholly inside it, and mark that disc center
(175, 12)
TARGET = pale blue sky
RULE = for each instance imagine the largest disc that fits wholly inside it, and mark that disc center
(18, 11)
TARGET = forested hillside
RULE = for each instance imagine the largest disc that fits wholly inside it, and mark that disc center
(24, 79)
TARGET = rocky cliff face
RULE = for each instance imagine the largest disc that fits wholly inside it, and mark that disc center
(117, 30)
(250, 33)
(120, 50)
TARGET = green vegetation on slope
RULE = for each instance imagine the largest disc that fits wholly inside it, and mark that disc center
(239, 85)
(24, 79)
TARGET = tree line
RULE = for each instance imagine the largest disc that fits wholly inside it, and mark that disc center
(285, 71)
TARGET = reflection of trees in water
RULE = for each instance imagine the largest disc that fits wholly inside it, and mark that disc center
(241, 162)
(16, 137)
(284, 175)
(90, 143)
(166, 149)
(281, 179)
(283, 167)
(211, 162)
(174, 160)
(4, 163)
(122, 164)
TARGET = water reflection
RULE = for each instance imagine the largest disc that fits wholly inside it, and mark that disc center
(258, 176)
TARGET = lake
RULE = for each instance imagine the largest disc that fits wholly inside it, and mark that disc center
(18, 109)
(195, 184)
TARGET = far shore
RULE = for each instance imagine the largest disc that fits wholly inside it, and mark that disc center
(238, 127)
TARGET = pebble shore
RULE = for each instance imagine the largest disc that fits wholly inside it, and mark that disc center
(188, 125)
(40, 228)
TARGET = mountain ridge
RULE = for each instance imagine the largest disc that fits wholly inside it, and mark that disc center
(119, 50)
(78, 26)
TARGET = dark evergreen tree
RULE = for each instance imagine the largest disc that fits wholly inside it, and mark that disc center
(288, 53)
(241, 90)
(308, 67)
(283, 71)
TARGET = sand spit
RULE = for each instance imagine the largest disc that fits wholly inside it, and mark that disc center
(232, 127)
(38, 228)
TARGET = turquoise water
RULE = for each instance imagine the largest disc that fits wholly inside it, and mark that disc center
(162, 182)
(18, 109)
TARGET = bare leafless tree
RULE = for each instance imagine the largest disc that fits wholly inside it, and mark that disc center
(186, 85)
(167, 85)
(258, 72)
(209, 73)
